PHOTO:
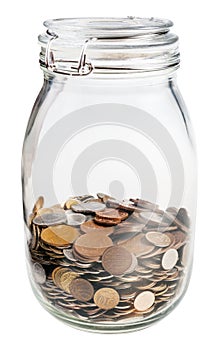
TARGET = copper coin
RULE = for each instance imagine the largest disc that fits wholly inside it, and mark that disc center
(91, 227)
(116, 260)
(60, 235)
(106, 298)
(81, 289)
(169, 259)
(138, 245)
(144, 301)
(158, 239)
(92, 244)
(112, 214)
(106, 222)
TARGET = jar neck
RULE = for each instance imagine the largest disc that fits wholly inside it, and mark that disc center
(127, 81)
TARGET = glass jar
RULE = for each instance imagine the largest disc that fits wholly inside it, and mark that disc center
(109, 175)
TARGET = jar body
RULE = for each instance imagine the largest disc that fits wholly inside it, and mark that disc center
(109, 190)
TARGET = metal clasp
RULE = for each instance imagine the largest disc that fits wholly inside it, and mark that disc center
(77, 68)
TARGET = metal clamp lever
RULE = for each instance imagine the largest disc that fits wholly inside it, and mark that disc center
(79, 68)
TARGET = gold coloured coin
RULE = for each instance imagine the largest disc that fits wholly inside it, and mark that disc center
(106, 298)
(65, 280)
(60, 235)
(39, 204)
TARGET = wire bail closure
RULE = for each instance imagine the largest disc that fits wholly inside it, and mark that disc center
(82, 67)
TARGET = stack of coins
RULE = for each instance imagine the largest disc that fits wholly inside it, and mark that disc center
(106, 260)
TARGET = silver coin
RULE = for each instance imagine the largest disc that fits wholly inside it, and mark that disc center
(79, 208)
(39, 273)
(68, 253)
(51, 219)
(169, 259)
(94, 206)
(133, 265)
(75, 219)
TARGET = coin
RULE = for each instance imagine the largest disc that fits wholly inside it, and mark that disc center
(70, 202)
(79, 208)
(92, 244)
(106, 222)
(104, 197)
(75, 219)
(39, 273)
(68, 253)
(128, 206)
(39, 204)
(158, 239)
(81, 289)
(59, 236)
(112, 214)
(154, 241)
(56, 275)
(84, 197)
(138, 245)
(185, 255)
(106, 298)
(50, 219)
(183, 217)
(94, 206)
(91, 227)
(113, 203)
(143, 204)
(116, 260)
(169, 259)
(66, 279)
(133, 265)
(144, 301)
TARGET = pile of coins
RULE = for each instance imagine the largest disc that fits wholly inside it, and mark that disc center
(106, 260)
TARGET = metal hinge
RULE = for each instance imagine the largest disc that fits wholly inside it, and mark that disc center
(82, 67)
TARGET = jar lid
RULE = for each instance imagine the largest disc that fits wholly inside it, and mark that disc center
(81, 46)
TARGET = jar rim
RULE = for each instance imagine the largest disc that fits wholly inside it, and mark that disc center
(99, 45)
(108, 27)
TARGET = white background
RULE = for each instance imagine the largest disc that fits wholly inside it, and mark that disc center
(24, 323)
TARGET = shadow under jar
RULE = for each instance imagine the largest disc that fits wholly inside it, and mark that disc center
(109, 175)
